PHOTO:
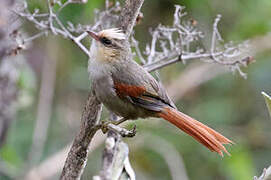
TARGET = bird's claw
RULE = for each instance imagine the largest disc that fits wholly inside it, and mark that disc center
(132, 132)
(105, 126)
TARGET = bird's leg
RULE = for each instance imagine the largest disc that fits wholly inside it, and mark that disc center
(105, 126)
(118, 121)
(122, 131)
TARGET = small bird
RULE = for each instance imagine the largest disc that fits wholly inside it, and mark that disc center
(128, 90)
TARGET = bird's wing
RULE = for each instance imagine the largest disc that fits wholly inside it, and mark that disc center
(136, 85)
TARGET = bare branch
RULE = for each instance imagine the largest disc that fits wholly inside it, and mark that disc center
(166, 49)
(115, 159)
(129, 14)
(45, 25)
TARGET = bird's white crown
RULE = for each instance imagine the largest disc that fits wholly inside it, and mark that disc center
(113, 33)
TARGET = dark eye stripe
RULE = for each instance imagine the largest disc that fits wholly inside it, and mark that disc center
(106, 41)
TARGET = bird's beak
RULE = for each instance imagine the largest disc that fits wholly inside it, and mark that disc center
(93, 35)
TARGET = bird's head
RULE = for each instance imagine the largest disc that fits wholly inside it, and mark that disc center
(108, 45)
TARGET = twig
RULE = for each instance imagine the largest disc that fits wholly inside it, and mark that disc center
(166, 49)
(45, 25)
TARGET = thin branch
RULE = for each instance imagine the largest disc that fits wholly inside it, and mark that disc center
(134, 43)
(173, 44)
(215, 34)
(48, 25)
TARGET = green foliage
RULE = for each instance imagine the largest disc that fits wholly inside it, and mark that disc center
(9, 155)
(240, 164)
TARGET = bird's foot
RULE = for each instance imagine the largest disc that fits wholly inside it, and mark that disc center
(118, 121)
(105, 126)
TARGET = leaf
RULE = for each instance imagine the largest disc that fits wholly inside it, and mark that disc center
(268, 101)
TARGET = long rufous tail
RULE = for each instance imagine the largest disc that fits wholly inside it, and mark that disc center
(202, 133)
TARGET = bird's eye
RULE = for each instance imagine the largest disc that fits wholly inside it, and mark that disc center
(106, 41)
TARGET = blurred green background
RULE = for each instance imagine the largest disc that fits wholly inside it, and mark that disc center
(230, 104)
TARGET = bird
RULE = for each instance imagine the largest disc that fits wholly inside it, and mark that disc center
(128, 90)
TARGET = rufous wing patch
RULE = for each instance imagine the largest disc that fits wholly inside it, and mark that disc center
(129, 90)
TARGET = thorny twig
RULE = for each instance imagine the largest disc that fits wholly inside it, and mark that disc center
(50, 22)
(165, 49)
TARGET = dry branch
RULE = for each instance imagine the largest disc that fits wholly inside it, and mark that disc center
(129, 14)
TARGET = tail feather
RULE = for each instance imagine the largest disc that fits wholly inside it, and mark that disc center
(202, 133)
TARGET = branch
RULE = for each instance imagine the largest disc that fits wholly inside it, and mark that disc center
(52, 24)
(115, 160)
(129, 14)
(171, 44)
